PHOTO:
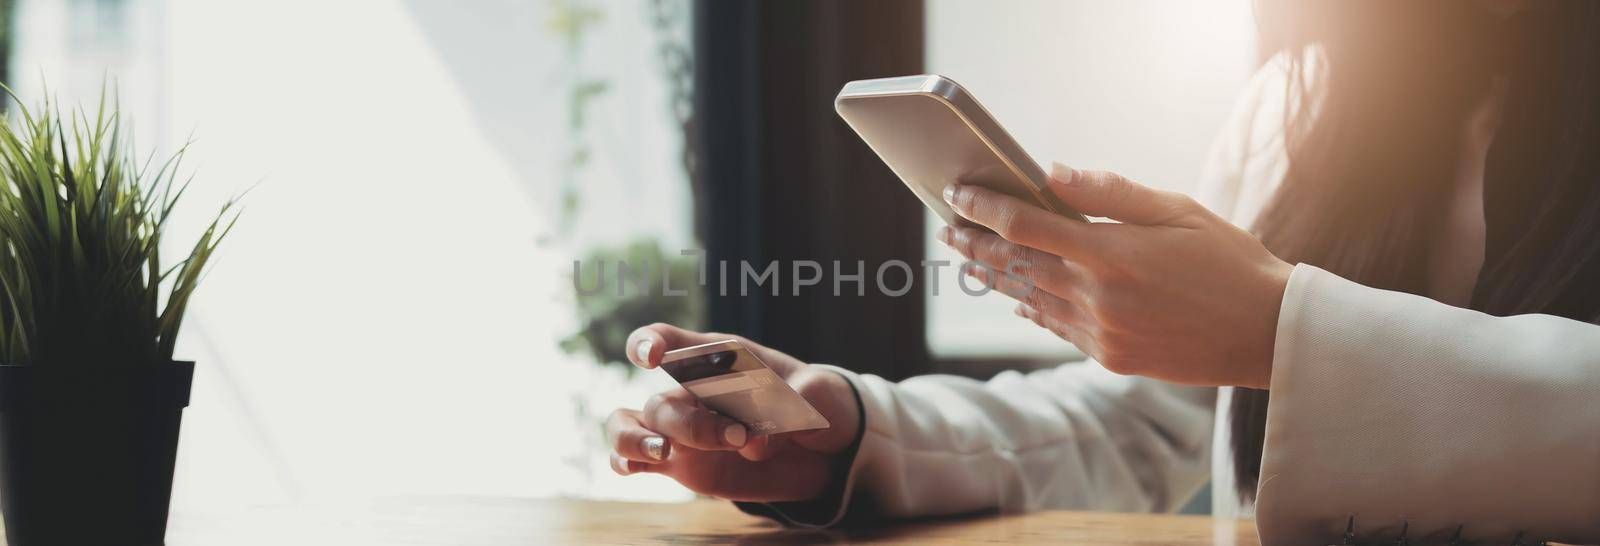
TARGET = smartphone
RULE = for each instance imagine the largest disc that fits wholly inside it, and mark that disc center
(728, 379)
(932, 133)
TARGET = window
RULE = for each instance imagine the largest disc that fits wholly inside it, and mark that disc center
(395, 313)
(389, 316)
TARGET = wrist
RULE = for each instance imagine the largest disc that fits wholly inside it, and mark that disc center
(1275, 282)
(852, 424)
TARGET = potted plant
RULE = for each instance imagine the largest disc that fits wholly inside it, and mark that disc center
(90, 397)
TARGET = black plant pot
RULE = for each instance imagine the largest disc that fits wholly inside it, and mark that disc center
(87, 452)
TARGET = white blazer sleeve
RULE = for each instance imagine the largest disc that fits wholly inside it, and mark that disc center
(1397, 409)
(1076, 436)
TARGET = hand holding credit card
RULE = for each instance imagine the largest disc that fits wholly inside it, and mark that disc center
(730, 380)
(745, 422)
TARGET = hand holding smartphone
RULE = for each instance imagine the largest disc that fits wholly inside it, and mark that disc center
(933, 133)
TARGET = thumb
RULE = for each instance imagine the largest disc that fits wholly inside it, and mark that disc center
(1108, 194)
(648, 344)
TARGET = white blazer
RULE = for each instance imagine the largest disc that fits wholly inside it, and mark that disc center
(1389, 407)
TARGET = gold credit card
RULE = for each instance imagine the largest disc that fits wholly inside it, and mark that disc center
(730, 380)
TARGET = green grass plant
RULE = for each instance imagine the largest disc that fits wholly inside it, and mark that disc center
(82, 279)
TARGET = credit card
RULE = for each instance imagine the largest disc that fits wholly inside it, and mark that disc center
(730, 380)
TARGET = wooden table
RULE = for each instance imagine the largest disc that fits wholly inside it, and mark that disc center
(488, 521)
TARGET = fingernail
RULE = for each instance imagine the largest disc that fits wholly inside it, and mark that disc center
(945, 234)
(642, 351)
(950, 194)
(1023, 310)
(655, 447)
(619, 465)
(734, 435)
(1062, 174)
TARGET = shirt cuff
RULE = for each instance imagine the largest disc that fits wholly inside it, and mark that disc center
(833, 506)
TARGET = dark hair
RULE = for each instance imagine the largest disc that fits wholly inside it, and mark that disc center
(1374, 143)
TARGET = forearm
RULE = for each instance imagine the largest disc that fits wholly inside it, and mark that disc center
(1075, 437)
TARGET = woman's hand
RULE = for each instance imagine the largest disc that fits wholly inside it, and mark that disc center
(1172, 292)
(714, 455)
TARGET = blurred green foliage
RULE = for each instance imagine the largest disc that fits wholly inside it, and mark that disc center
(571, 20)
(607, 317)
(8, 11)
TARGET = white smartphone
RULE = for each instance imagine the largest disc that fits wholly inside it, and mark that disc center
(932, 133)
(729, 379)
